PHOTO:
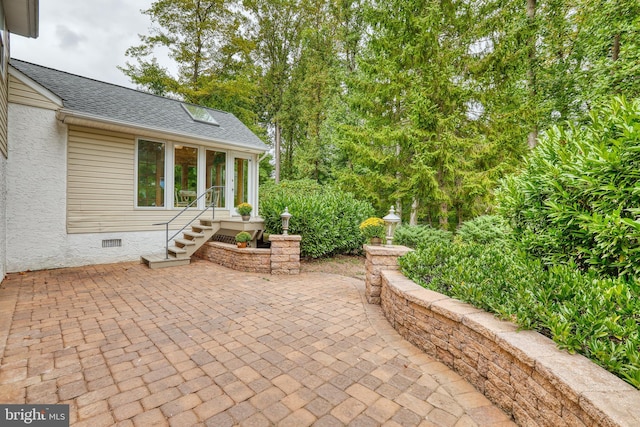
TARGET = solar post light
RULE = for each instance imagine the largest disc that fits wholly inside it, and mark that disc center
(391, 221)
(285, 221)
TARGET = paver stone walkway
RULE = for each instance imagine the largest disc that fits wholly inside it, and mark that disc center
(203, 345)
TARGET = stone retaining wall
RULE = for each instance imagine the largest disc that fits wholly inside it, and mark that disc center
(522, 372)
(282, 258)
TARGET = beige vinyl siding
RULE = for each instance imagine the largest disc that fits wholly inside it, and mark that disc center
(3, 117)
(20, 93)
(101, 185)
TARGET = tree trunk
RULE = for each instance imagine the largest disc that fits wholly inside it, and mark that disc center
(277, 153)
(444, 215)
(413, 219)
(615, 50)
(532, 138)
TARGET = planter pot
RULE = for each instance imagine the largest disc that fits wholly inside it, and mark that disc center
(241, 244)
(246, 217)
(375, 241)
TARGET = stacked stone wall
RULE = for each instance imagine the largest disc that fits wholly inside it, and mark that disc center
(282, 258)
(523, 372)
(250, 260)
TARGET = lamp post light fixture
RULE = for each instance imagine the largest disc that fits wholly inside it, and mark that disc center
(391, 221)
(285, 221)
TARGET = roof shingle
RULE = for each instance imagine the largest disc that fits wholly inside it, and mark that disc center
(139, 109)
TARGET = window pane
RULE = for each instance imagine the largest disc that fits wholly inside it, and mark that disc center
(241, 181)
(150, 173)
(185, 175)
(216, 172)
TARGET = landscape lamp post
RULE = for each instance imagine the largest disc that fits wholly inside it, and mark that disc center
(285, 221)
(391, 221)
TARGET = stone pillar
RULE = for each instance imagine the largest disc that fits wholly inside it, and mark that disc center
(380, 258)
(285, 254)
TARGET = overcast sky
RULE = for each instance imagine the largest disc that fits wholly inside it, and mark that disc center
(85, 37)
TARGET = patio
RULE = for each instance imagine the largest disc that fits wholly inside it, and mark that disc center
(204, 345)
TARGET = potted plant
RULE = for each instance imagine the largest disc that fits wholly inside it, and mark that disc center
(242, 238)
(373, 229)
(244, 209)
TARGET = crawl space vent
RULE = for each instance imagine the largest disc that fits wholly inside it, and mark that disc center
(112, 243)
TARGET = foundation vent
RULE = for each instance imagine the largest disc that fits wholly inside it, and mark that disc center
(112, 243)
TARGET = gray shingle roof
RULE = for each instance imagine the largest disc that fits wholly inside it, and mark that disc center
(138, 109)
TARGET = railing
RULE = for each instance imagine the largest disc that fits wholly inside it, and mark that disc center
(215, 196)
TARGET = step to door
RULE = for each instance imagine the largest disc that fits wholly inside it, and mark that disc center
(160, 261)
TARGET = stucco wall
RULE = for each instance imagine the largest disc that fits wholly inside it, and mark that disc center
(36, 203)
(3, 217)
(36, 187)
(36, 199)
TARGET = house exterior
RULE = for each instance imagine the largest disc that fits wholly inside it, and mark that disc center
(93, 166)
(16, 17)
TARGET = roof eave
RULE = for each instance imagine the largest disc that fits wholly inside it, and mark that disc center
(83, 119)
(22, 17)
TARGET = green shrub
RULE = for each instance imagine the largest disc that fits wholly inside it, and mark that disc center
(484, 229)
(325, 217)
(578, 199)
(417, 235)
(580, 311)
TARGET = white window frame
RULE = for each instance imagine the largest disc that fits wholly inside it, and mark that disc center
(169, 176)
(251, 189)
(166, 182)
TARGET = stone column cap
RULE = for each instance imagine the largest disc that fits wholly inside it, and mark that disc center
(281, 237)
(387, 250)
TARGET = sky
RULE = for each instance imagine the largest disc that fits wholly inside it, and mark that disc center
(86, 37)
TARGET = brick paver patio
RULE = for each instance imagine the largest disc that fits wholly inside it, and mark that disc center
(203, 345)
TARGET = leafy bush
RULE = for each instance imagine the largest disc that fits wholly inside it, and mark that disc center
(484, 229)
(325, 217)
(581, 312)
(578, 199)
(417, 235)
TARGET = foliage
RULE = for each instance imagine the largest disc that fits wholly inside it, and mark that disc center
(372, 227)
(578, 310)
(203, 41)
(484, 229)
(424, 105)
(577, 198)
(244, 209)
(243, 237)
(325, 217)
(414, 236)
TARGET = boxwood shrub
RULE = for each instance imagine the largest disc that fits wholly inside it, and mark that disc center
(581, 311)
(578, 197)
(415, 235)
(326, 218)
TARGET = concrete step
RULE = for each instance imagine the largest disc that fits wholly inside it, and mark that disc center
(184, 242)
(160, 261)
(178, 253)
(193, 234)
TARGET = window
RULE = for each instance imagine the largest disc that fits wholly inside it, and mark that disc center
(200, 114)
(150, 173)
(185, 175)
(216, 174)
(241, 181)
